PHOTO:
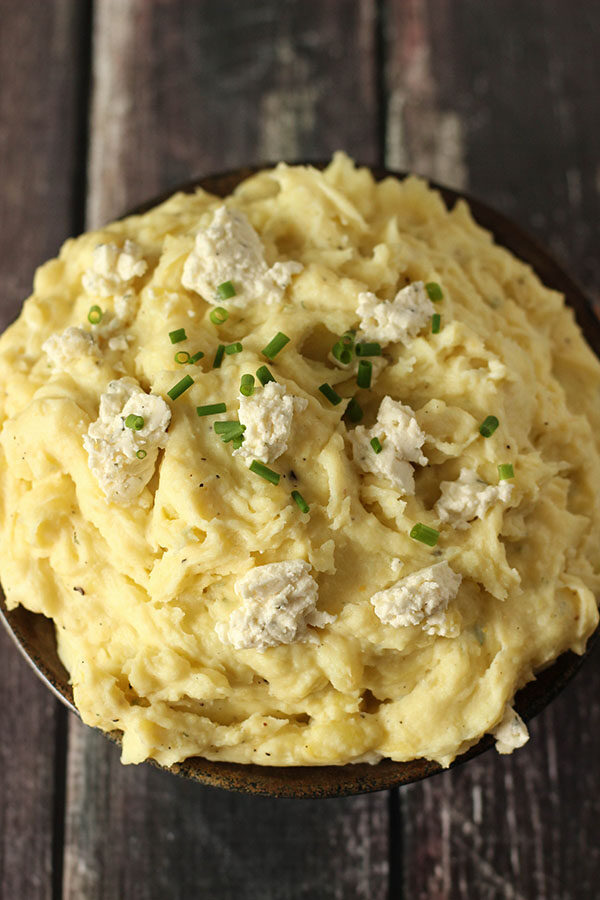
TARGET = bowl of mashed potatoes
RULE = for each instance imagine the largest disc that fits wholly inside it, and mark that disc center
(299, 480)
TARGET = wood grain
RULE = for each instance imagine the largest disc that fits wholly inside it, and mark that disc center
(181, 89)
(40, 64)
(507, 111)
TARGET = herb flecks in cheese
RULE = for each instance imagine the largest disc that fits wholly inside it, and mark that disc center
(469, 498)
(65, 348)
(511, 733)
(401, 437)
(400, 319)
(112, 448)
(278, 604)
(113, 269)
(421, 598)
(230, 250)
(267, 416)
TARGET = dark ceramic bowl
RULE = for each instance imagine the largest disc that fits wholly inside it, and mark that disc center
(34, 634)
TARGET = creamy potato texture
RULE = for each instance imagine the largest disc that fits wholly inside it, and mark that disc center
(141, 583)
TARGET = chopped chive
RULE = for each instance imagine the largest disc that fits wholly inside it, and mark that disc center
(434, 291)
(219, 356)
(488, 426)
(299, 499)
(226, 290)
(260, 469)
(275, 345)
(136, 423)
(505, 470)
(263, 375)
(182, 357)
(425, 534)
(368, 348)
(376, 445)
(141, 454)
(331, 395)
(218, 315)
(237, 442)
(211, 409)
(230, 349)
(354, 410)
(178, 335)
(247, 385)
(348, 338)
(230, 426)
(342, 353)
(94, 315)
(436, 323)
(178, 389)
(197, 356)
(365, 372)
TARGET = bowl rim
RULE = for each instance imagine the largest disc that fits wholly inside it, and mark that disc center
(30, 631)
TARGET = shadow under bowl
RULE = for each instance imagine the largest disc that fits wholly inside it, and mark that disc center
(35, 637)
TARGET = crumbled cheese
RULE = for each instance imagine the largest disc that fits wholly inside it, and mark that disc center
(400, 319)
(112, 447)
(279, 603)
(420, 598)
(469, 498)
(113, 268)
(401, 439)
(512, 731)
(267, 415)
(66, 347)
(231, 250)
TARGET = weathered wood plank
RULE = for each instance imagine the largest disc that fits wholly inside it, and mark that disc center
(182, 89)
(40, 63)
(509, 109)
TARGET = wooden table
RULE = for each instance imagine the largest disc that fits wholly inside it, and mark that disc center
(104, 104)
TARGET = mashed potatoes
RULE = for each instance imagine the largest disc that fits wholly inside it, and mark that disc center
(364, 553)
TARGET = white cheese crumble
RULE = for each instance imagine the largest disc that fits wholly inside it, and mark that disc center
(112, 447)
(469, 498)
(267, 415)
(400, 319)
(401, 439)
(66, 347)
(512, 731)
(231, 250)
(113, 268)
(420, 598)
(279, 603)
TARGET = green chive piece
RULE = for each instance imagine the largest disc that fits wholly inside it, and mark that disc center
(237, 442)
(136, 423)
(376, 445)
(141, 454)
(182, 357)
(230, 349)
(365, 372)
(178, 335)
(488, 426)
(425, 534)
(354, 410)
(299, 499)
(505, 470)
(226, 290)
(434, 291)
(247, 385)
(211, 409)
(197, 356)
(368, 348)
(178, 389)
(268, 474)
(232, 425)
(219, 356)
(436, 323)
(342, 353)
(94, 315)
(218, 315)
(275, 345)
(331, 395)
(264, 376)
(348, 338)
